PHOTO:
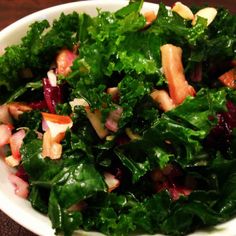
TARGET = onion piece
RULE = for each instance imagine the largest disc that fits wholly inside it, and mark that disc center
(21, 187)
(113, 119)
(111, 181)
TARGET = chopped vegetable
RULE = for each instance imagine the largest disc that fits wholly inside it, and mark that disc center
(208, 13)
(16, 141)
(21, 187)
(163, 100)
(183, 10)
(5, 116)
(229, 78)
(174, 73)
(17, 108)
(96, 120)
(5, 134)
(64, 61)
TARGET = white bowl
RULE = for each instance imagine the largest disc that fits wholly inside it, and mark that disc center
(20, 209)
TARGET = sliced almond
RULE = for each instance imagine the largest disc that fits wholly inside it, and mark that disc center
(78, 102)
(183, 10)
(95, 119)
(209, 13)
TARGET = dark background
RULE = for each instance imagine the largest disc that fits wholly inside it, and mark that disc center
(12, 10)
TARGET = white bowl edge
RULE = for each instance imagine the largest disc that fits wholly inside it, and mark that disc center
(19, 209)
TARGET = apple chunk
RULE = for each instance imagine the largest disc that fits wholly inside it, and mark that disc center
(56, 123)
(179, 88)
(163, 100)
(95, 119)
(55, 127)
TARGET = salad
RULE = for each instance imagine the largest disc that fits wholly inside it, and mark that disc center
(124, 123)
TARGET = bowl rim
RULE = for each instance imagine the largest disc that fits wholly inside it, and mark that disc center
(10, 203)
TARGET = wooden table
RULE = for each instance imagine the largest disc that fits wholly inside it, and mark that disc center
(12, 10)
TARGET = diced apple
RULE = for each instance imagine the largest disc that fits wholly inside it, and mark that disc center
(16, 141)
(111, 181)
(17, 108)
(209, 13)
(150, 16)
(114, 92)
(11, 161)
(229, 78)
(55, 127)
(5, 116)
(183, 10)
(179, 88)
(163, 100)
(46, 152)
(56, 151)
(51, 146)
(5, 134)
(64, 61)
(57, 123)
(54, 118)
(95, 119)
